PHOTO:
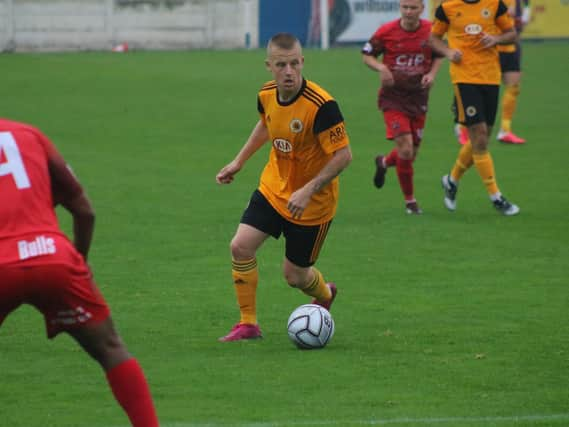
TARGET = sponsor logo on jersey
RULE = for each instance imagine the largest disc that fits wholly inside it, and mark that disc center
(337, 134)
(41, 245)
(282, 145)
(296, 126)
(473, 29)
(410, 60)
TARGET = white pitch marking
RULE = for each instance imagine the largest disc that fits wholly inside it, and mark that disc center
(383, 422)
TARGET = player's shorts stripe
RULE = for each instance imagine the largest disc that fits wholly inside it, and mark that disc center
(459, 105)
(322, 232)
(244, 265)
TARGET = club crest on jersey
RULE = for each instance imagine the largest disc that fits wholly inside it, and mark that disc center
(473, 29)
(485, 13)
(282, 145)
(296, 126)
(471, 111)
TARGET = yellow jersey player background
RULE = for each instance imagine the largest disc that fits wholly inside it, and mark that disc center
(510, 64)
(511, 67)
(298, 191)
(473, 30)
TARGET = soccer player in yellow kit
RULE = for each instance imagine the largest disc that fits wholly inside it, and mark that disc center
(510, 63)
(473, 29)
(298, 191)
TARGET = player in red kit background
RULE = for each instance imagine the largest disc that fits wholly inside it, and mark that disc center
(39, 266)
(407, 72)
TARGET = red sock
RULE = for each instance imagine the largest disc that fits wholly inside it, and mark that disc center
(131, 390)
(391, 158)
(405, 175)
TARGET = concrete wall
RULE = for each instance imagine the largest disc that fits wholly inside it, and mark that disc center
(58, 25)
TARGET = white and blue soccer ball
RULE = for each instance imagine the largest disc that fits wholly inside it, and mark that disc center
(310, 326)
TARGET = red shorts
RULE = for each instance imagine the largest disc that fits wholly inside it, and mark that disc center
(64, 292)
(398, 123)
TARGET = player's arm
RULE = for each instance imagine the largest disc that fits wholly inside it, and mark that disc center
(429, 78)
(258, 137)
(340, 161)
(330, 130)
(370, 52)
(68, 192)
(300, 198)
(506, 24)
(526, 13)
(440, 27)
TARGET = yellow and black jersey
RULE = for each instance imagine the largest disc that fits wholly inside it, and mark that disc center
(511, 5)
(464, 22)
(304, 132)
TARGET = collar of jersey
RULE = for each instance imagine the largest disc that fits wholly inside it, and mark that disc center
(471, 1)
(284, 104)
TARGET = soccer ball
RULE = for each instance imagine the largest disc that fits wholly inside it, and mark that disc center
(310, 326)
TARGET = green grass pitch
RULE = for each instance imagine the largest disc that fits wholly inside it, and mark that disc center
(455, 319)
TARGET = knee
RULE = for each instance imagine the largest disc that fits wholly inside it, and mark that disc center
(110, 351)
(479, 138)
(296, 278)
(239, 251)
(406, 153)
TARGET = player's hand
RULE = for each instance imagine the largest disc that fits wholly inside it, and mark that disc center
(454, 55)
(427, 81)
(227, 173)
(298, 202)
(386, 78)
(488, 40)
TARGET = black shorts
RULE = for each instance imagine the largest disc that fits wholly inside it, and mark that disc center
(303, 242)
(511, 61)
(474, 103)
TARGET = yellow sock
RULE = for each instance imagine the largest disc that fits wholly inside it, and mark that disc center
(245, 279)
(463, 162)
(509, 103)
(485, 167)
(506, 125)
(317, 287)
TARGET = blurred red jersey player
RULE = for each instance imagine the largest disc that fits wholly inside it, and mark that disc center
(406, 74)
(39, 266)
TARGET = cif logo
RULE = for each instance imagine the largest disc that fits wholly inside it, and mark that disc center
(473, 29)
(410, 60)
(282, 145)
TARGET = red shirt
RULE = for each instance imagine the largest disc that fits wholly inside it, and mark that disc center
(30, 169)
(408, 56)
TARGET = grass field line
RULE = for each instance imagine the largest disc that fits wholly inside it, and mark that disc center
(382, 422)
